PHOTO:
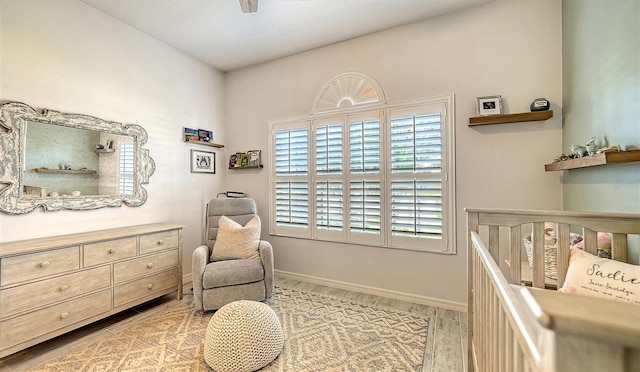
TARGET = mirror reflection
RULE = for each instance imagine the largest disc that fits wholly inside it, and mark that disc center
(66, 161)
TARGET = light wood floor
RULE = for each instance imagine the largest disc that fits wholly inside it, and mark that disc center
(445, 349)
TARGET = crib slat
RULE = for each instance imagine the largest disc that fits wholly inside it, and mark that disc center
(590, 241)
(494, 244)
(515, 249)
(563, 252)
(538, 254)
(619, 247)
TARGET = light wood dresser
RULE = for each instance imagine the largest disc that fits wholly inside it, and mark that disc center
(52, 285)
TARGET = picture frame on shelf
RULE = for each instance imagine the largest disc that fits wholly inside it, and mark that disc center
(255, 158)
(489, 105)
(203, 162)
(190, 134)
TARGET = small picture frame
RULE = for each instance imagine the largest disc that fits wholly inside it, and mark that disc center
(489, 105)
(203, 162)
(255, 158)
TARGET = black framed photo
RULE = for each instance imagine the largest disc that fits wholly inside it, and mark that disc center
(489, 105)
(203, 162)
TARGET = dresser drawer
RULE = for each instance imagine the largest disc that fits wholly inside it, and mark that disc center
(46, 292)
(144, 287)
(38, 265)
(109, 251)
(150, 264)
(40, 322)
(158, 241)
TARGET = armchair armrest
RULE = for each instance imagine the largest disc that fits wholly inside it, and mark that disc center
(266, 255)
(199, 261)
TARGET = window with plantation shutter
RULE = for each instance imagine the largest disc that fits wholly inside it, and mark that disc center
(380, 178)
(291, 150)
(416, 175)
(126, 168)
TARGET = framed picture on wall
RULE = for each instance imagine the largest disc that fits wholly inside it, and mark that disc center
(203, 162)
(489, 105)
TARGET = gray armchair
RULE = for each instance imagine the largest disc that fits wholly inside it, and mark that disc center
(216, 284)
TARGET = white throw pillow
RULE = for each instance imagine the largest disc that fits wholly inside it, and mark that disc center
(601, 277)
(235, 241)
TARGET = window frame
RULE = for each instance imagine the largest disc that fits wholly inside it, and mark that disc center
(445, 245)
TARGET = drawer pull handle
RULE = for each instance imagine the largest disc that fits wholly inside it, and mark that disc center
(161, 241)
(150, 286)
(64, 288)
(44, 264)
(112, 251)
(64, 315)
(150, 265)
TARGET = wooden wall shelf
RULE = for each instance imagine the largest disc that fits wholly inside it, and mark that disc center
(254, 167)
(592, 161)
(217, 145)
(64, 171)
(510, 118)
(104, 151)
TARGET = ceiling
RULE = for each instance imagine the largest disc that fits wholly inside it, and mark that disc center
(220, 34)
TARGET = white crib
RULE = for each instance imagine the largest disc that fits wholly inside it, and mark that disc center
(513, 327)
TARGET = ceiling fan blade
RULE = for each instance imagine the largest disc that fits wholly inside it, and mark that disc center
(249, 6)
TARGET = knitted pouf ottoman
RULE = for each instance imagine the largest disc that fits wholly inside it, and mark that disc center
(243, 336)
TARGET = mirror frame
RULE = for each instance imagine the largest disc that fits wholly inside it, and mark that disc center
(13, 119)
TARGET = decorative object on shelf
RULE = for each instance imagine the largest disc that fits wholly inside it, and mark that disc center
(489, 105)
(254, 158)
(539, 104)
(612, 148)
(249, 159)
(200, 136)
(99, 147)
(190, 135)
(591, 146)
(205, 135)
(203, 162)
(76, 193)
(54, 194)
(578, 150)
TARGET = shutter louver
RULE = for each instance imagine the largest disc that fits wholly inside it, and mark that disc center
(364, 211)
(126, 168)
(292, 203)
(329, 205)
(364, 146)
(292, 150)
(329, 149)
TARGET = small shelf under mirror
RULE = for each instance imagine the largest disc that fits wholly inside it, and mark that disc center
(104, 151)
(65, 171)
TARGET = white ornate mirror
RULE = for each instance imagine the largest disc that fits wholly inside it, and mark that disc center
(53, 160)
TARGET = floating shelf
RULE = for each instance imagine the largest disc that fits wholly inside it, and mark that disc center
(592, 161)
(104, 151)
(64, 171)
(510, 118)
(254, 167)
(206, 144)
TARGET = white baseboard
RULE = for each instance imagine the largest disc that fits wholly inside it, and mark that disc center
(187, 278)
(423, 300)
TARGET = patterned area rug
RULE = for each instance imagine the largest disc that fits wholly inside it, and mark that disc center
(322, 333)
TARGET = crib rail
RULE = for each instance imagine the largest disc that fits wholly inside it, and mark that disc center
(507, 338)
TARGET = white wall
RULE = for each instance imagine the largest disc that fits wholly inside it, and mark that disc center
(67, 56)
(511, 48)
